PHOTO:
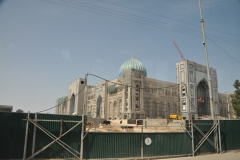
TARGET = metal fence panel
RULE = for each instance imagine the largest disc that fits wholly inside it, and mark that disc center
(12, 135)
(112, 145)
(167, 144)
(230, 134)
(204, 126)
(72, 138)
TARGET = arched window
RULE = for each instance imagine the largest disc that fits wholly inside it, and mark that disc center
(137, 95)
(154, 111)
(146, 108)
(167, 110)
(161, 110)
(72, 104)
(115, 112)
(175, 111)
(99, 105)
(110, 110)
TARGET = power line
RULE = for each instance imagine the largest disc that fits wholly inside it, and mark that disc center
(68, 99)
(141, 21)
(128, 85)
(118, 17)
(146, 19)
(224, 50)
(86, 76)
(166, 17)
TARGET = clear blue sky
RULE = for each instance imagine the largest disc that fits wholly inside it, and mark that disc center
(46, 44)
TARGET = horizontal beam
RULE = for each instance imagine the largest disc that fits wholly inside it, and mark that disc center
(44, 120)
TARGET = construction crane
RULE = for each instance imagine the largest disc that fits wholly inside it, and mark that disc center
(178, 50)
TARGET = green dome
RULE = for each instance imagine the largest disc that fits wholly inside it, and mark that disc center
(132, 64)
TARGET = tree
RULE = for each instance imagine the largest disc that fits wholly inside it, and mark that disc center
(19, 111)
(236, 98)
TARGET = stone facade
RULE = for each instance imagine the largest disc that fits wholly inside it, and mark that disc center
(225, 105)
(147, 98)
(194, 89)
(61, 105)
(135, 96)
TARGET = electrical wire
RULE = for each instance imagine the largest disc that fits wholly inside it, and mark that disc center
(224, 50)
(121, 18)
(166, 17)
(152, 23)
(86, 76)
(128, 85)
(179, 28)
(68, 99)
(139, 17)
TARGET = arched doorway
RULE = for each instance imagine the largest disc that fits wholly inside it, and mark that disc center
(99, 106)
(72, 104)
(203, 103)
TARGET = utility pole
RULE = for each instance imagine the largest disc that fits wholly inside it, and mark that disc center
(206, 56)
(228, 106)
(209, 80)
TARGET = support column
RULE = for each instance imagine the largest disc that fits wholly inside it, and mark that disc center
(26, 138)
(219, 135)
(123, 101)
(34, 136)
(82, 135)
(192, 138)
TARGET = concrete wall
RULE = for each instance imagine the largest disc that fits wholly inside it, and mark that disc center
(155, 122)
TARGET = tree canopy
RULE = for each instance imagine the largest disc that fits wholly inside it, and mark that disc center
(19, 111)
(236, 98)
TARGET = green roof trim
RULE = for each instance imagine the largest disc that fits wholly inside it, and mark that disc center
(112, 88)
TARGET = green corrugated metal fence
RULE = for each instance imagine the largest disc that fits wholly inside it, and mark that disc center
(167, 144)
(106, 145)
(128, 145)
(230, 134)
(12, 135)
(112, 145)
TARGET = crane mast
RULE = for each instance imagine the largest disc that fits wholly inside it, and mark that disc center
(179, 51)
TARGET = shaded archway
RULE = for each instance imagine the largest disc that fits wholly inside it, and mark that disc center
(72, 104)
(99, 106)
(203, 103)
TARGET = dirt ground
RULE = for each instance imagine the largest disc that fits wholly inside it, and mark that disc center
(232, 155)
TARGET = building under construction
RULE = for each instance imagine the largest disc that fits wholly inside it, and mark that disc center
(135, 96)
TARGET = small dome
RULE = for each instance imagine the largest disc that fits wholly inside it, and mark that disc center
(132, 64)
